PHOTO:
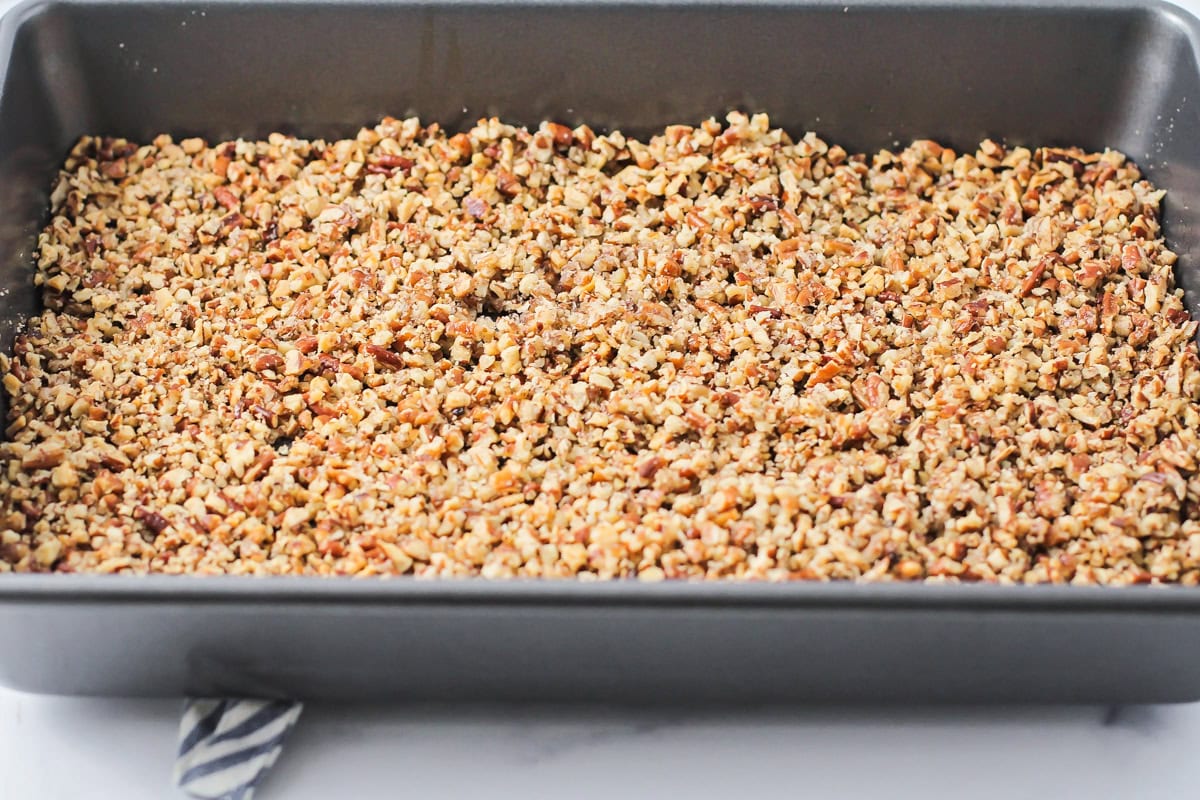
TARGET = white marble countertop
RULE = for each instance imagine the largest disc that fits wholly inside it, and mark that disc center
(61, 748)
(67, 748)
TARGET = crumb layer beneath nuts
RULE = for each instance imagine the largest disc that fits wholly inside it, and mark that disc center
(720, 353)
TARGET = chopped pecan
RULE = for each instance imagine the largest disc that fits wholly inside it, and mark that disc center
(155, 522)
(389, 162)
(226, 197)
(825, 373)
(384, 356)
(508, 184)
(475, 207)
(44, 456)
(267, 361)
(561, 133)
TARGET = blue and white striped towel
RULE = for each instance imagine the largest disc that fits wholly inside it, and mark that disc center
(226, 747)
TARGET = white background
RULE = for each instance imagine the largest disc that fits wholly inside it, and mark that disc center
(61, 749)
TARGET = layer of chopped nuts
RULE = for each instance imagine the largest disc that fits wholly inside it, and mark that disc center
(719, 353)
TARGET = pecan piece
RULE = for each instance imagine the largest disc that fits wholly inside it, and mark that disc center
(774, 313)
(225, 197)
(561, 133)
(475, 207)
(650, 466)
(154, 521)
(508, 184)
(391, 161)
(825, 373)
(385, 357)
(44, 456)
(267, 361)
(1033, 279)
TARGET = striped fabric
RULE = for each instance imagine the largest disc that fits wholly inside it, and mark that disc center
(226, 747)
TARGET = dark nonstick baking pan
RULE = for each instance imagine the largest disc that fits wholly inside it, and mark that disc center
(864, 75)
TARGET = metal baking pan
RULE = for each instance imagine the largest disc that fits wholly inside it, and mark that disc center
(862, 74)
